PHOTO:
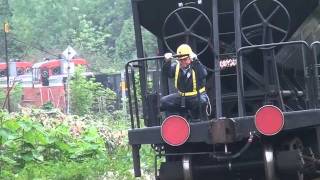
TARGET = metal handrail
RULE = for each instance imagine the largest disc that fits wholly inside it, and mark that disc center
(316, 72)
(130, 65)
(240, 88)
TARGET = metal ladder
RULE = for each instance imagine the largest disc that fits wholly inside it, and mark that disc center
(234, 15)
(232, 53)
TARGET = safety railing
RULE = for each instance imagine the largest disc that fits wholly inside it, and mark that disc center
(316, 71)
(132, 87)
(133, 98)
(240, 77)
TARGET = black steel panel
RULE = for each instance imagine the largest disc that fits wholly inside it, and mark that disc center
(199, 133)
(293, 120)
(243, 127)
(150, 135)
(154, 12)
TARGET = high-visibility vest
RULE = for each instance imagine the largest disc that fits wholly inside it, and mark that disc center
(194, 83)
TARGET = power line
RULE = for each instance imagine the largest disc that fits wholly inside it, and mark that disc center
(34, 47)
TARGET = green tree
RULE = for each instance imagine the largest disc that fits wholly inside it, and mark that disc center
(85, 93)
(101, 31)
(82, 93)
(125, 44)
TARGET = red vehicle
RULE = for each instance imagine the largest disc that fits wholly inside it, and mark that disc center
(49, 82)
(18, 71)
(42, 82)
(16, 68)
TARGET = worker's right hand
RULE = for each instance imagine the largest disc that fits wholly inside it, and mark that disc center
(168, 56)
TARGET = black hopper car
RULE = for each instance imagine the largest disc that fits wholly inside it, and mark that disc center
(263, 85)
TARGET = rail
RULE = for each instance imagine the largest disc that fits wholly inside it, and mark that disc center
(240, 88)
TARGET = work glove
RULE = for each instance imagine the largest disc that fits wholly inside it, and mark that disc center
(193, 56)
(168, 56)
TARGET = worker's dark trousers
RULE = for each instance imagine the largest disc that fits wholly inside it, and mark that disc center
(176, 104)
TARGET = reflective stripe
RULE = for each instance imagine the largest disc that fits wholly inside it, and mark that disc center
(194, 80)
(176, 75)
(194, 83)
(192, 93)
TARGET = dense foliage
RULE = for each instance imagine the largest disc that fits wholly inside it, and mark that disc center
(101, 30)
(85, 93)
(42, 144)
(36, 144)
(15, 96)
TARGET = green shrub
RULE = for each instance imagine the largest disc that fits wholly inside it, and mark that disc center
(85, 92)
(26, 142)
(15, 96)
(30, 148)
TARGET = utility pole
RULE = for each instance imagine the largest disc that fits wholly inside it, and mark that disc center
(68, 53)
(6, 30)
(68, 83)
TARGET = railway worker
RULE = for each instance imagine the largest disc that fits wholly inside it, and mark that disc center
(189, 79)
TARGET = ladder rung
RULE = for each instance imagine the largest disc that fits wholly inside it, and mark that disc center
(227, 33)
(228, 75)
(225, 54)
(227, 12)
(229, 95)
(232, 53)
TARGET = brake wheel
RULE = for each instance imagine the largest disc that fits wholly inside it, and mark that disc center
(192, 26)
(266, 23)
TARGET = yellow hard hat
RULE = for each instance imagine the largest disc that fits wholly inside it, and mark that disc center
(184, 49)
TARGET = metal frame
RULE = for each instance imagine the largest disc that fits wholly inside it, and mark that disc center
(240, 69)
(135, 148)
(244, 125)
(269, 162)
(314, 74)
(187, 167)
(130, 76)
(224, 158)
(140, 52)
(240, 88)
(216, 49)
(131, 66)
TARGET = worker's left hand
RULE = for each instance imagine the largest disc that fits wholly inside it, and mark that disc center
(193, 56)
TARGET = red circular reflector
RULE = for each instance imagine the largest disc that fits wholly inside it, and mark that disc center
(269, 120)
(175, 130)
